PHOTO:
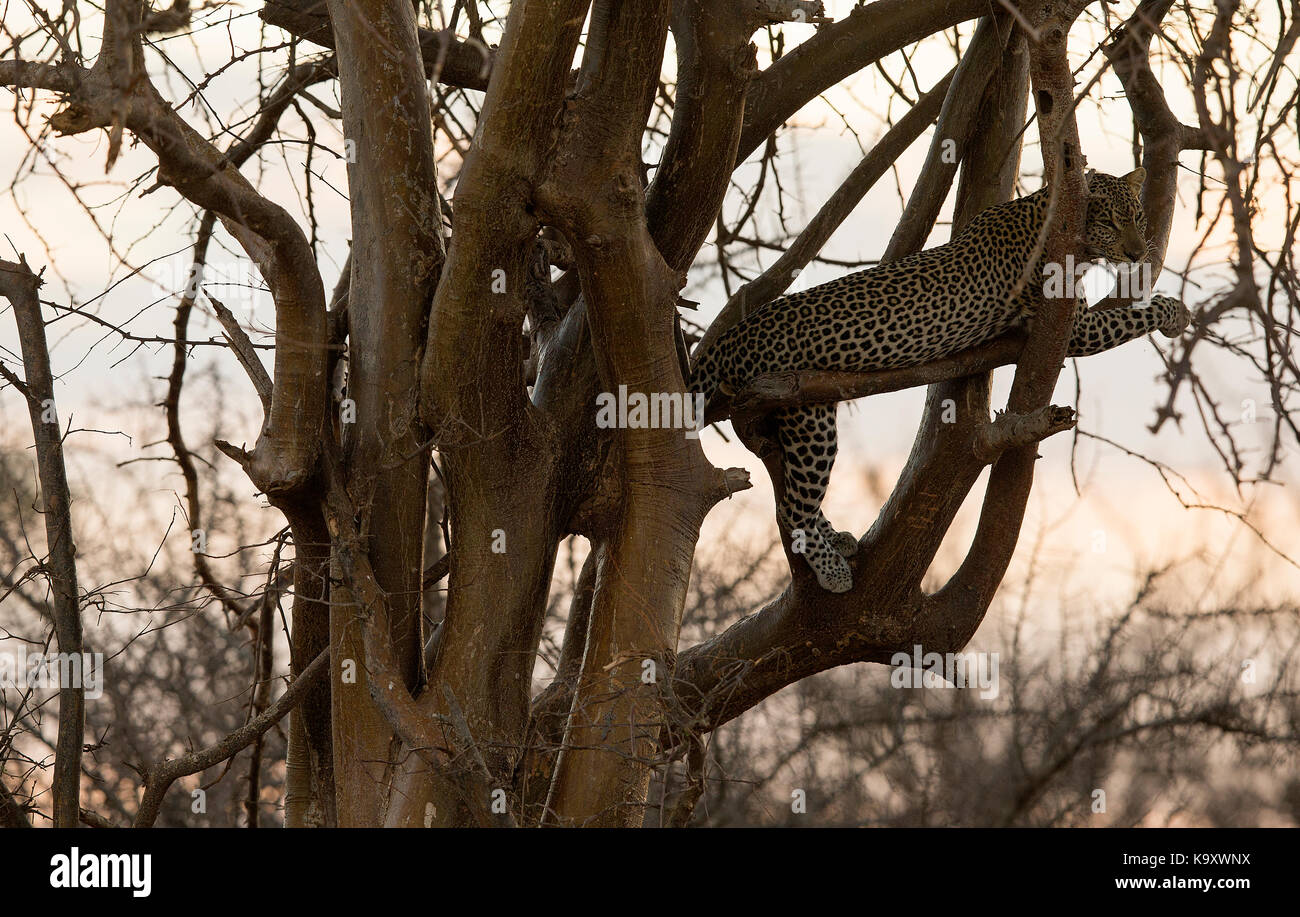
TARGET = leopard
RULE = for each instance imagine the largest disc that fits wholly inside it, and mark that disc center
(914, 310)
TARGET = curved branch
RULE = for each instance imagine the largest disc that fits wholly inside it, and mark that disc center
(715, 66)
(161, 777)
(838, 51)
(285, 455)
(171, 405)
(471, 378)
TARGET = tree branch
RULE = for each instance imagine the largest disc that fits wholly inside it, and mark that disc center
(244, 352)
(775, 391)
(838, 51)
(1164, 137)
(472, 374)
(21, 74)
(1010, 431)
(163, 775)
(285, 455)
(774, 281)
(19, 285)
(961, 106)
(968, 592)
(450, 60)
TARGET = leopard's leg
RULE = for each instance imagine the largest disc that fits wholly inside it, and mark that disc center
(845, 543)
(1098, 330)
(807, 437)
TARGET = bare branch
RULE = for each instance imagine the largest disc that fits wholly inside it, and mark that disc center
(450, 60)
(163, 775)
(243, 350)
(19, 285)
(774, 281)
(839, 50)
(12, 813)
(772, 392)
(286, 453)
(21, 74)
(1010, 431)
(810, 11)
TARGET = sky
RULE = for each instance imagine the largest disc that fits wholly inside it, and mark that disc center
(1122, 518)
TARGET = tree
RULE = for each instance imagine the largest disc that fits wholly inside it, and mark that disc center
(476, 335)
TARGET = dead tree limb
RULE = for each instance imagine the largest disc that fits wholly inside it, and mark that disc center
(19, 284)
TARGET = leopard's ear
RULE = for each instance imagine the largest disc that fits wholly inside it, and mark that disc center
(1087, 177)
(1136, 178)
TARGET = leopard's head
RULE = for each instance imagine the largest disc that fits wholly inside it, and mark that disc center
(1117, 227)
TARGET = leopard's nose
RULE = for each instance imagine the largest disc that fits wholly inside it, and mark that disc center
(1134, 252)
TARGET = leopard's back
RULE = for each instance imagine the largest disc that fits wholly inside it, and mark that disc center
(902, 313)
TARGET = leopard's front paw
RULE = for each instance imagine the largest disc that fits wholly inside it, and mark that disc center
(833, 572)
(1174, 316)
(844, 544)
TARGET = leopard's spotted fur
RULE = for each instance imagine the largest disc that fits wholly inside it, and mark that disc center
(911, 311)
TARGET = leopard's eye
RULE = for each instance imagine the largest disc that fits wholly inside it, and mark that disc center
(1102, 214)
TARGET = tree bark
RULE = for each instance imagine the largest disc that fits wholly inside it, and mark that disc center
(397, 257)
(665, 484)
